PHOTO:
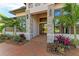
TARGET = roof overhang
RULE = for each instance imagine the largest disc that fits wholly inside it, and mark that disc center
(21, 9)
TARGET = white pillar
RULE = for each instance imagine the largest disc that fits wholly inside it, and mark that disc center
(50, 24)
(28, 24)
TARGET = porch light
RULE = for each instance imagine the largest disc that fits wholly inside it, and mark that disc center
(27, 16)
(24, 3)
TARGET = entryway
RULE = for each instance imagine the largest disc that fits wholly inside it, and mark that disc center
(43, 26)
(39, 24)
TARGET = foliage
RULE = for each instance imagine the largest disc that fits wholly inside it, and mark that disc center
(19, 39)
(1, 28)
(3, 20)
(22, 26)
(75, 42)
(2, 38)
(62, 40)
(60, 44)
(6, 37)
(16, 39)
(70, 16)
(11, 22)
(56, 47)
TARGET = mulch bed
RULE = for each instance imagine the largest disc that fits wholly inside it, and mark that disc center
(12, 42)
(66, 52)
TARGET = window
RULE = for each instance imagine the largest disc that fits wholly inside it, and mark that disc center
(59, 28)
(56, 26)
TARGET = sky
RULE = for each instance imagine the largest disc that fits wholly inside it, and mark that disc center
(5, 8)
(8, 5)
(57, 12)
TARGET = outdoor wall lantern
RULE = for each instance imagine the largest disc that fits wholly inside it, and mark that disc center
(27, 16)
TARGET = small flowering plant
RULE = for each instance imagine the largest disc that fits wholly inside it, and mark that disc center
(67, 41)
(62, 40)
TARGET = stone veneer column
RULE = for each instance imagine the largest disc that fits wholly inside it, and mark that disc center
(50, 23)
(28, 24)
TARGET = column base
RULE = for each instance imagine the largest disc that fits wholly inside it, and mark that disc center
(50, 38)
(29, 36)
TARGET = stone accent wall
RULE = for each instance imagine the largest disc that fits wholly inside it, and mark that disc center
(28, 25)
(50, 24)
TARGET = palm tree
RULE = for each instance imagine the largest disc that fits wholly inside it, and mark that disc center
(13, 23)
(75, 17)
(70, 16)
(3, 20)
(9, 22)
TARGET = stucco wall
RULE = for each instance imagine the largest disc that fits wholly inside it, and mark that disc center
(20, 14)
(58, 6)
(42, 7)
(35, 26)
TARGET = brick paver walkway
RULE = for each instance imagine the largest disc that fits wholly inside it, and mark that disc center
(37, 46)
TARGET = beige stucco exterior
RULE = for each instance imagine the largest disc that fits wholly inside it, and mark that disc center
(20, 14)
(38, 9)
(33, 15)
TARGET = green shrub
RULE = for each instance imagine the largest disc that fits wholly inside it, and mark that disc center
(9, 37)
(2, 38)
(75, 42)
(16, 39)
(5, 37)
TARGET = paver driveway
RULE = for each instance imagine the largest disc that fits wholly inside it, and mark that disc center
(37, 46)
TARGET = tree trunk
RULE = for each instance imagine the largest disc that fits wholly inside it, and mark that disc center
(75, 32)
(14, 31)
(69, 30)
(64, 30)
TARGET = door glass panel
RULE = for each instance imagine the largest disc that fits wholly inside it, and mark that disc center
(43, 26)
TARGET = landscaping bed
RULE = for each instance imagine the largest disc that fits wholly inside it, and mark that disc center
(16, 39)
(62, 45)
